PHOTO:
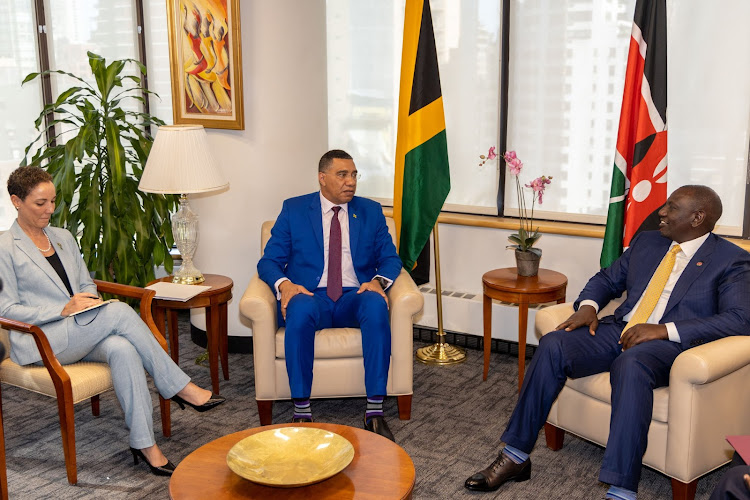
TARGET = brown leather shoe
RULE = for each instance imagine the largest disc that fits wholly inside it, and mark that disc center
(378, 425)
(503, 469)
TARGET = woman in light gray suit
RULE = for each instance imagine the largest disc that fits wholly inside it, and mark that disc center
(46, 281)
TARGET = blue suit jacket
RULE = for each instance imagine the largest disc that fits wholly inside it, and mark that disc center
(295, 250)
(710, 300)
(34, 293)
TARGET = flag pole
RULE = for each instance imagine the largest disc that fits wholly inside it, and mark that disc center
(440, 353)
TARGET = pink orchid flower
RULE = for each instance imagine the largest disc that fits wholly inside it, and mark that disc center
(491, 155)
(538, 185)
(515, 166)
(513, 162)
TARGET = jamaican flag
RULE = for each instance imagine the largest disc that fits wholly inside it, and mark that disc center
(422, 177)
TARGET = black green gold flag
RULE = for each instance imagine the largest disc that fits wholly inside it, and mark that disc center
(422, 176)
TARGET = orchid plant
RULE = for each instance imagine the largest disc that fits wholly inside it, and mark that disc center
(527, 235)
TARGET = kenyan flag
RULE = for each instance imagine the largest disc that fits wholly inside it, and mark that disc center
(639, 182)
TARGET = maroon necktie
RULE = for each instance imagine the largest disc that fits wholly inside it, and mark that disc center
(334, 257)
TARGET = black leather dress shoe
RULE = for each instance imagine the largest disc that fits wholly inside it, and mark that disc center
(378, 425)
(301, 420)
(501, 470)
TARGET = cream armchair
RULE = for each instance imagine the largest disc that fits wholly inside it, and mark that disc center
(708, 398)
(339, 368)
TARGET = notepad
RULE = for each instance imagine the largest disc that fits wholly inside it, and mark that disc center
(100, 304)
(176, 291)
(742, 445)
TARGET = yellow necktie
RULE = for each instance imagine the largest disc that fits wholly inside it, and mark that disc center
(654, 289)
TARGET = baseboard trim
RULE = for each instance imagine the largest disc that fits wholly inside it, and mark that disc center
(244, 345)
(467, 341)
(236, 344)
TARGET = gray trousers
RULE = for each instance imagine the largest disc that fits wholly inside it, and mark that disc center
(116, 335)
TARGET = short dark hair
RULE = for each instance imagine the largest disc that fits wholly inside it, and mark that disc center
(706, 199)
(327, 159)
(23, 179)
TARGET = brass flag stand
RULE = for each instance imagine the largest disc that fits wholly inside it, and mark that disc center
(440, 353)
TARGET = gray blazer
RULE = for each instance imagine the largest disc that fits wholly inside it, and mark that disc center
(34, 293)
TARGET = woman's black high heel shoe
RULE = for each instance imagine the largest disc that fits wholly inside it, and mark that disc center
(214, 401)
(162, 470)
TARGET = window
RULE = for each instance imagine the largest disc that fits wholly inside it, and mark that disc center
(364, 68)
(19, 106)
(575, 46)
(71, 28)
(566, 74)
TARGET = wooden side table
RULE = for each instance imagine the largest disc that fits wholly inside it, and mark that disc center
(215, 301)
(505, 284)
(380, 470)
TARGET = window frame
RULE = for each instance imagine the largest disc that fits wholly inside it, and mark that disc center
(44, 56)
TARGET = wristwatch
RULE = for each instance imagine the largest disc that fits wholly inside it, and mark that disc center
(383, 282)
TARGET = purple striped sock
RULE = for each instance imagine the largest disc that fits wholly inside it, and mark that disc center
(374, 407)
(302, 409)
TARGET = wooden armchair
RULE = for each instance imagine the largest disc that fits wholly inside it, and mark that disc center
(76, 382)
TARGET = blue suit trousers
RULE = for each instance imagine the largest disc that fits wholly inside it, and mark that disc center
(634, 374)
(306, 314)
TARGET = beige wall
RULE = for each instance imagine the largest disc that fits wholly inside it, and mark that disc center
(275, 157)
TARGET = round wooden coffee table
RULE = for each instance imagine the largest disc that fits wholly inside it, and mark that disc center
(505, 284)
(380, 469)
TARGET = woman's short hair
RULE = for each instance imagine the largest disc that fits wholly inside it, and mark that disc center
(23, 179)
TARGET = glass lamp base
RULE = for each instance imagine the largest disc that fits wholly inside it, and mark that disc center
(185, 232)
(188, 280)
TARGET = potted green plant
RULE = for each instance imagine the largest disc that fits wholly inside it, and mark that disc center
(96, 153)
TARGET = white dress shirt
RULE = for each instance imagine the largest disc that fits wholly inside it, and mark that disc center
(348, 275)
(687, 250)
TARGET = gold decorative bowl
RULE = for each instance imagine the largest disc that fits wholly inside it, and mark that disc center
(288, 457)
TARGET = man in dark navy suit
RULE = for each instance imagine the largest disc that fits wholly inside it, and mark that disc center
(694, 288)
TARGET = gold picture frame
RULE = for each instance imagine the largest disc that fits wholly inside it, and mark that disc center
(205, 60)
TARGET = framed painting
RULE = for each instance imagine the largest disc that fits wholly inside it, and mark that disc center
(206, 63)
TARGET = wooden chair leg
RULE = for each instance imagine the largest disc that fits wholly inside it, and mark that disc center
(554, 435)
(265, 412)
(95, 405)
(404, 407)
(683, 491)
(68, 431)
(3, 472)
(166, 417)
(174, 341)
(224, 340)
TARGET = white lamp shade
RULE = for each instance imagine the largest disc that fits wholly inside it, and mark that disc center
(180, 162)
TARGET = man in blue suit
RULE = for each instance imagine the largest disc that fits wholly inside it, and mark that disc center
(703, 294)
(330, 259)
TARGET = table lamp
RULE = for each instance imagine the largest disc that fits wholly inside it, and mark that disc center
(181, 162)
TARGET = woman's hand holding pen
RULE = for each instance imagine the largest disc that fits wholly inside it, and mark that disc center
(79, 302)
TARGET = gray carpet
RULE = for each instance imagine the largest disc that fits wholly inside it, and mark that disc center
(454, 431)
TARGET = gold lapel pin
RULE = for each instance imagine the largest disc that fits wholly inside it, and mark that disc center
(354, 215)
